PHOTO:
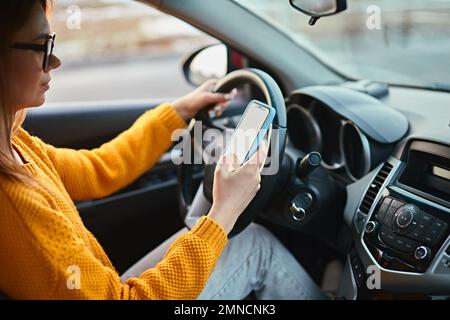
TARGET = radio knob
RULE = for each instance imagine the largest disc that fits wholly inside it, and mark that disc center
(371, 227)
(404, 218)
(422, 253)
(406, 215)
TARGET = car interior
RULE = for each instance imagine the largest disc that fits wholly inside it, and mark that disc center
(362, 193)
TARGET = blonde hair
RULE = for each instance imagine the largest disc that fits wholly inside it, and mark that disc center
(10, 124)
(13, 15)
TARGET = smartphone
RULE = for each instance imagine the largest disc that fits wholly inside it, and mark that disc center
(251, 130)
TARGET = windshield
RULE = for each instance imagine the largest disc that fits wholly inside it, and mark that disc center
(402, 41)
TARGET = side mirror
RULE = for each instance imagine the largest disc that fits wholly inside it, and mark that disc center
(206, 63)
(319, 8)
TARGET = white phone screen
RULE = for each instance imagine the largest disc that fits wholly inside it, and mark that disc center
(247, 131)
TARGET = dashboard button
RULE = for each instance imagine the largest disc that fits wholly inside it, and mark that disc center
(389, 239)
(382, 234)
(426, 219)
(396, 242)
(404, 244)
(389, 215)
(396, 203)
(421, 227)
(433, 233)
(358, 270)
(387, 201)
(399, 243)
(417, 234)
(428, 238)
(381, 212)
(439, 225)
(410, 245)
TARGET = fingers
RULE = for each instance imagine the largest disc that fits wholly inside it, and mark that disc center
(223, 105)
(216, 97)
(251, 168)
(233, 162)
(229, 162)
(233, 93)
(252, 173)
(218, 110)
(256, 188)
(255, 191)
(208, 97)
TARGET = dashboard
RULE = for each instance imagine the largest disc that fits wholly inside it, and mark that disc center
(384, 174)
(352, 130)
(401, 222)
(392, 155)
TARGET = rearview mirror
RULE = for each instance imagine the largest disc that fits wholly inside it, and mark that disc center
(319, 8)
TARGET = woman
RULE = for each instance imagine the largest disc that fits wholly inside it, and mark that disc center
(45, 250)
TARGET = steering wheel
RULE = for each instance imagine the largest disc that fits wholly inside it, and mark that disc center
(192, 208)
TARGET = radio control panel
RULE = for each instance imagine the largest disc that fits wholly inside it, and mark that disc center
(405, 236)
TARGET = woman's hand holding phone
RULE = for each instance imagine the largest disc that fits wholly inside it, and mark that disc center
(235, 186)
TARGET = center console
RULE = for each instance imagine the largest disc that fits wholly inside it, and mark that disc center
(405, 233)
(401, 223)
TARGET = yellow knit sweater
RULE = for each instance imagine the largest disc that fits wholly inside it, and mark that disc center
(47, 253)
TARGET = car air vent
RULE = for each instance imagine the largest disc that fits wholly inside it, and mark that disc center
(374, 188)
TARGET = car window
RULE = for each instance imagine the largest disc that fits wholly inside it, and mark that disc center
(119, 50)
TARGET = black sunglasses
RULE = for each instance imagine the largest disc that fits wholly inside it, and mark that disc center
(47, 48)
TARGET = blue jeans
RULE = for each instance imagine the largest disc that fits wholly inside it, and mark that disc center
(254, 261)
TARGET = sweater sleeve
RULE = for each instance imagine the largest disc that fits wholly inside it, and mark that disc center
(96, 173)
(44, 258)
(181, 275)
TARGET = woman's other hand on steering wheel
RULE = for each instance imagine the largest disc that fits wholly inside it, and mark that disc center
(235, 186)
(188, 106)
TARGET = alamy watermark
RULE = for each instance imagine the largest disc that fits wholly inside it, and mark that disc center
(374, 20)
(373, 281)
(73, 280)
(197, 146)
(73, 21)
